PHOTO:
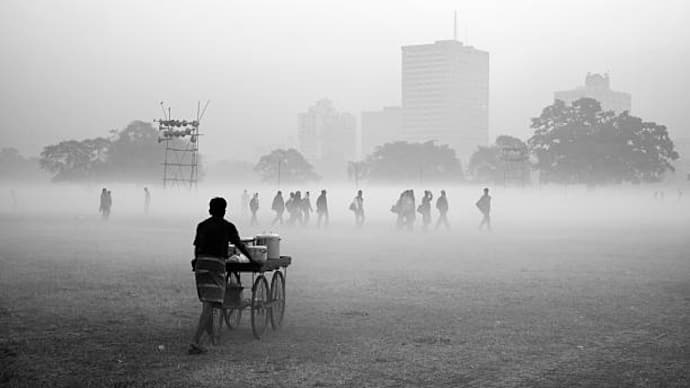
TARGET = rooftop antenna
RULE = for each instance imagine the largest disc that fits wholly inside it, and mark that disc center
(455, 25)
(164, 113)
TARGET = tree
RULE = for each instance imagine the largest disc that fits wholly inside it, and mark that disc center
(403, 161)
(135, 153)
(75, 160)
(580, 143)
(131, 154)
(485, 165)
(505, 160)
(285, 166)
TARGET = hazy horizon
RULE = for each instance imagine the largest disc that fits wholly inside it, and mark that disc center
(74, 70)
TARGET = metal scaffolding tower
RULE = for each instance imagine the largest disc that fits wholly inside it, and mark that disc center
(181, 137)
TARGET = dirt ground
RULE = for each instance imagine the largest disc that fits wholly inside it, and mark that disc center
(90, 303)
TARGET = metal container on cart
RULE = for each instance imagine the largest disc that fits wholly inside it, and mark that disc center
(272, 242)
(258, 253)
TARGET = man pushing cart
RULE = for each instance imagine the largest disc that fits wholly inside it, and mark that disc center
(213, 272)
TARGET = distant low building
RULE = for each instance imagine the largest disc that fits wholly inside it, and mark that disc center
(598, 87)
(380, 127)
(327, 138)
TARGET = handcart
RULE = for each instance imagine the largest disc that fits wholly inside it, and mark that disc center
(265, 303)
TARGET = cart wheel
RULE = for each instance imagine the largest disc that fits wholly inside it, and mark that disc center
(233, 315)
(260, 298)
(277, 300)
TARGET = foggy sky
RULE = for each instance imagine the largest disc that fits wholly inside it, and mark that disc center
(77, 69)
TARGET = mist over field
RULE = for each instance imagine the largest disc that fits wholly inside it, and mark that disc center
(542, 206)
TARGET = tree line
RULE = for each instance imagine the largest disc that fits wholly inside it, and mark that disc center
(576, 143)
(131, 154)
(571, 143)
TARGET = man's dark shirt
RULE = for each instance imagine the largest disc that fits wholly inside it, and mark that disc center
(213, 236)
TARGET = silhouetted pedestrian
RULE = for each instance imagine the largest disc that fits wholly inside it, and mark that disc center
(306, 209)
(294, 208)
(397, 208)
(103, 204)
(484, 205)
(108, 204)
(210, 252)
(442, 206)
(289, 206)
(357, 206)
(147, 200)
(254, 207)
(425, 209)
(322, 209)
(298, 207)
(278, 206)
(408, 209)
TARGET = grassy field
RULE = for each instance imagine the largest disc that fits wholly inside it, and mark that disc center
(89, 303)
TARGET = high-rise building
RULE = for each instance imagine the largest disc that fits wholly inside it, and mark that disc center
(598, 87)
(327, 138)
(445, 95)
(380, 127)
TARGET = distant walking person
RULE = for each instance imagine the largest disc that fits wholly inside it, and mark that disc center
(306, 208)
(397, 209)
(357, 206)
(289, 205)
(297, 207)
(254, 207)
(425, 209)
(108, 204)
(147, 200)
(103, 203)
(442, 206)
(294, 207)
(484, 205)
(244, 205)
(322, 209)
(278, 206)
(405, 208)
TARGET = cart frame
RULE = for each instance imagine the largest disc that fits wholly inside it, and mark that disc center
(265, 304)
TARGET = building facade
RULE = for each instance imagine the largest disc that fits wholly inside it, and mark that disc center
(598, 87)
(327, 138)
(445, 95)
(380, 127)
